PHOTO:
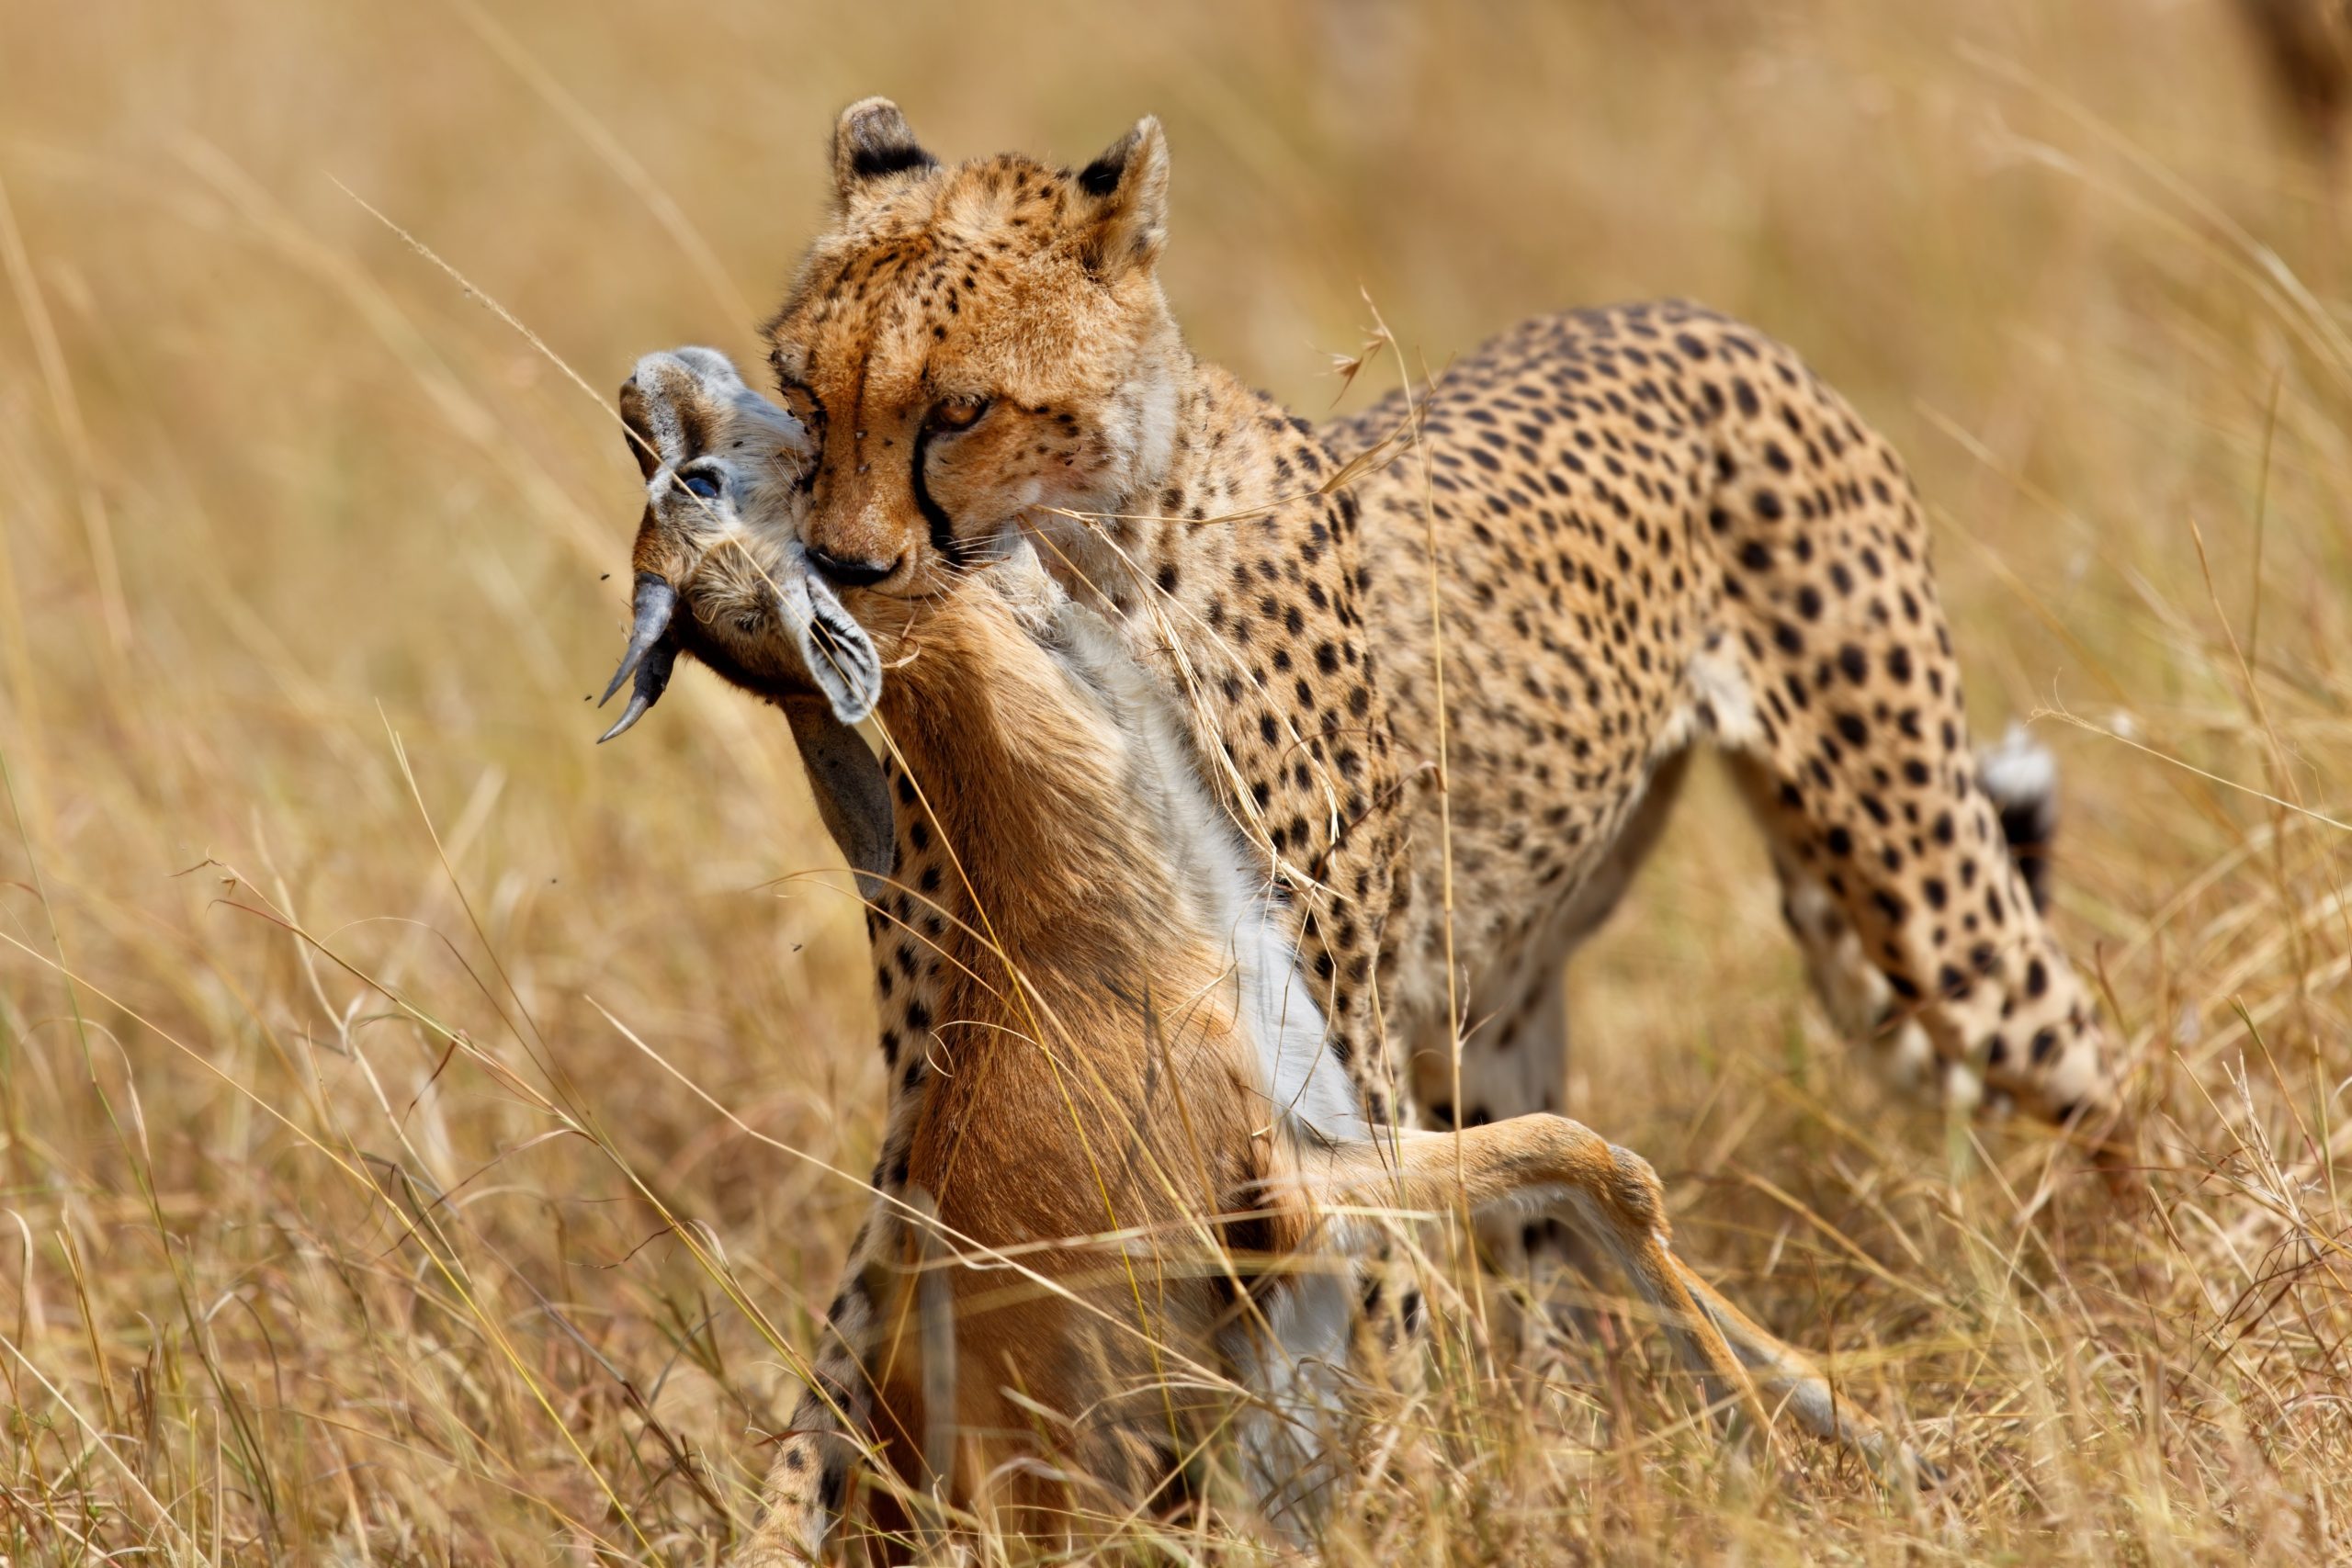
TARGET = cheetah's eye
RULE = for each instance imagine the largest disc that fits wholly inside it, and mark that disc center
(957, 413)
(702, 483)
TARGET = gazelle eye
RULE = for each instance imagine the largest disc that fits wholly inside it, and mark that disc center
(958, 413)
(702, 484)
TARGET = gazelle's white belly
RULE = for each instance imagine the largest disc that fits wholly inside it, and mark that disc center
(1291, 1354)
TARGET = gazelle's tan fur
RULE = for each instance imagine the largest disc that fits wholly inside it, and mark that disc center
(1150, 1193)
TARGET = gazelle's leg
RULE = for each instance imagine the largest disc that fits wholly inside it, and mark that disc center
(1611, 1197)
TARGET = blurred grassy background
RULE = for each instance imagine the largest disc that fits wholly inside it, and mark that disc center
(341, 1205)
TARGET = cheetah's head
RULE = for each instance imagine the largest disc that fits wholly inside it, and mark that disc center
(970, 347)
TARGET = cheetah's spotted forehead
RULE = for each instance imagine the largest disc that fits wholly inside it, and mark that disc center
(922, 239)
(986, 215)
(1006, 196)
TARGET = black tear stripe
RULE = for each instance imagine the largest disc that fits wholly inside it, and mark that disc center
(943, 528)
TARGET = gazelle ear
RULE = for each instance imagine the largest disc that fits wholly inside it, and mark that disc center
(1127, 187)
(851, 797)
(873, 142)
(637, 428)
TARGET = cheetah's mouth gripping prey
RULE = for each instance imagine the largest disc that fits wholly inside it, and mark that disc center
(720, 539)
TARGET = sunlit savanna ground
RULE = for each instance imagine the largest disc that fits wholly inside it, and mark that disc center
(343, 1209)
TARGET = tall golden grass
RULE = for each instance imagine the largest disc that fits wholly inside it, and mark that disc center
(428, 1137)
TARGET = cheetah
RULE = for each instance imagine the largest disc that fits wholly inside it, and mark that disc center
(1445, 662)
(1146, 1164)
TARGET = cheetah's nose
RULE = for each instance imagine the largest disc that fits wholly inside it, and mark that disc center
(651, 654)
(848, 571)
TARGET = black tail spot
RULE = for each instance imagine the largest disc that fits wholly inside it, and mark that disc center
(2023, 789)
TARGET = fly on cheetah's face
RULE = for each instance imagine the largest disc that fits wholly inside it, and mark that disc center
(973, 349)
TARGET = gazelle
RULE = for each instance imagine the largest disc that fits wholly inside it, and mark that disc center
(1148, 1178)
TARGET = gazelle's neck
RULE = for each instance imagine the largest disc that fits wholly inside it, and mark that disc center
(1026, 774)
(1066, 786)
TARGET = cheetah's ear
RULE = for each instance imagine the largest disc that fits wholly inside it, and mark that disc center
(872, 142)
(1127, 220)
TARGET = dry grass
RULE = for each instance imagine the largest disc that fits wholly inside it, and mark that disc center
(347, 1222)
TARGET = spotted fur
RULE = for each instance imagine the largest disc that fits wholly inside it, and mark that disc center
(1132, 1180)
(1628, 531)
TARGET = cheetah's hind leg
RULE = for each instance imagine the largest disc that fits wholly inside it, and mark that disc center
(2018, 777)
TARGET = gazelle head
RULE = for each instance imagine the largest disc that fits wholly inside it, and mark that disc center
(719, 540)
(720, 525)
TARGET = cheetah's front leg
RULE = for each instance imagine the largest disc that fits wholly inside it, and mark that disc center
(840, 1414)
(806, 1486)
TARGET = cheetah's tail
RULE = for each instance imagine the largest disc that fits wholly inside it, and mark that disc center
(2020, 777)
